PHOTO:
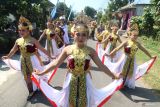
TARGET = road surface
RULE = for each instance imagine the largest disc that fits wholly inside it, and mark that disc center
(141, 96)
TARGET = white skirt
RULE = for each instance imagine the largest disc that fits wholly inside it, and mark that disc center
(16, 65)
(116, 56)
(117, 67)
(56, 51)
(60, 98)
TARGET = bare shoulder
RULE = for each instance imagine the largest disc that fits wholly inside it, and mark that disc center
(91, 50)
(68, 49)
(138, 43)
(34, 40)
(125, 42)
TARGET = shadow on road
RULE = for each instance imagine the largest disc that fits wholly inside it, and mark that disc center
(2, 68)
(39, 98)
(146, 95)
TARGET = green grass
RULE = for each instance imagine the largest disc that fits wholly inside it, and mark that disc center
(153, 78)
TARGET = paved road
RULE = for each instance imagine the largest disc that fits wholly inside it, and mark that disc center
(140, 97)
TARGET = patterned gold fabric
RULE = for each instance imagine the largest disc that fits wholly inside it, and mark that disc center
(59, 40)
(113, 42)
(48, 32)
(49, 41)
(129, 64)
(78, 96)
(99, 38)
(105, 36)
(26, 64)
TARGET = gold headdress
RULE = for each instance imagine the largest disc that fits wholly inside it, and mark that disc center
(50, 22)
(59, 30)
(133, 28)
(82, 28)
(114, 24)
(24, 23)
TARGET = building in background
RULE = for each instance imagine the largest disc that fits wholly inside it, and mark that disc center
(134, 8)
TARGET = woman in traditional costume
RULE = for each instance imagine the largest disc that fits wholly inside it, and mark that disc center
(126, 66)
(59, 41)
(102, 37)
(111, 42)
(29, 58)
(78, 90)
(50, 34)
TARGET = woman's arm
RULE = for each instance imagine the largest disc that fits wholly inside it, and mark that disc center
(144, 50)
(105, 40)
(12, 52)
(118, 48)
(98, 62)
(41, 48)
(42, 35)
(119, 39)
(55, 63)
(59, 39)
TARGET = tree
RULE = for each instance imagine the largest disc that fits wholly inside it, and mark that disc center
(99, 16)
(113, 6)
(148, 21)
(35, 10)
(62, 9)
(155, 9)
(89, 11)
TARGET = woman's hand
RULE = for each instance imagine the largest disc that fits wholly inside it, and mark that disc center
(152, 57)
(117, 76)
(37, 72)
(53, 57)
(5, 57)
(108, 55)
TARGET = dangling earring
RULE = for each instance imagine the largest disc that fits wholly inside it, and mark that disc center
(85, 43)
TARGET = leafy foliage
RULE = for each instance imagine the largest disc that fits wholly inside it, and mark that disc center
(89, 11)
(35, 10)
(113, 6)
(62, 9)
(149, 22)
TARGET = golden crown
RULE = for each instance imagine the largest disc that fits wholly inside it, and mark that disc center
(24, 23)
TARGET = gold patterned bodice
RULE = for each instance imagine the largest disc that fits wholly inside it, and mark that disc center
(78, 60)
(27, 49)
(26, 45)
(48, 32)
(106, 33)
(113, 38)
(131, 48)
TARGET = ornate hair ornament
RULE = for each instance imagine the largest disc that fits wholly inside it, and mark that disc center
(81, 28)
(134, 27)
(57, 30)
(114, 25)
(24, 23)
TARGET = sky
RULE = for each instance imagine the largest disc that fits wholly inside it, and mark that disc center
(79, 5)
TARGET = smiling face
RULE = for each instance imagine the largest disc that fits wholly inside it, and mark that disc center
(81, 34)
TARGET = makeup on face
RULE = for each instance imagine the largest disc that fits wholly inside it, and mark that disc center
(81, 34)
(23, 32)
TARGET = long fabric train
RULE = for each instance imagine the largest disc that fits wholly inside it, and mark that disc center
(116, 67)
(59, 98)
(15, 64)
(95, 97)
(56, 50)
